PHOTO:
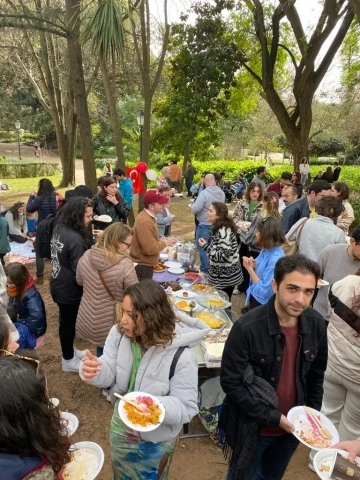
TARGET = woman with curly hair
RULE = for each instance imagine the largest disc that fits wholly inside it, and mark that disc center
(33, 441)
(222, 249)
(141, 354)
(17, 223)
(109, 202)
(249, 206)
(71, 238)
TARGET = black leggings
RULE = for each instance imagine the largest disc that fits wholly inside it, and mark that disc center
(228, 291)
(67, 322)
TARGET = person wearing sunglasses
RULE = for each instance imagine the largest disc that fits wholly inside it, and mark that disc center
(105, 272)
(30, 315)
(34, 442)
(71, 237)
(17, 223)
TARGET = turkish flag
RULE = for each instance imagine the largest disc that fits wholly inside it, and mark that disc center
(135, 177)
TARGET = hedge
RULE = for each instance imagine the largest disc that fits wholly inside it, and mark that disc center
(28, 170)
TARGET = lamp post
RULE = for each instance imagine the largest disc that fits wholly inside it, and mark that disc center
(140, 122)
(17, 126)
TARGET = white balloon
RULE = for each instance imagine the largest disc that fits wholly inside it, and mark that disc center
(151, 174)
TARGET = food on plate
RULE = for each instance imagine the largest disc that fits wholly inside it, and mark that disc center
(215, 349)
(192, 276)
(201, 287)
(324, 468)
(313, 432)
(216, 302)
(143, 419)
(104, 218)
(185, 294)
(159, 268)
(183, 305)
(218, 339)
(192, 270)
(209, 319)
(174, 286)
(82, 466)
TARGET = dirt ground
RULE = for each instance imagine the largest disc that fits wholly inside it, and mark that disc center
(194, 459)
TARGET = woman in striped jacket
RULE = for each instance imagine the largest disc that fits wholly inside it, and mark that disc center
(223, 250)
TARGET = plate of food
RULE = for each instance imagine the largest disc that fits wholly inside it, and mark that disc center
(185, 294)
(185, 306)
(214, 302)
(210, 320)
(321, 282)
(176, 271)
(159, 268)
(312, 428)
(86, 461)
(328, 462)
(170, 286)
(70, 422)
(142, 421)
(192, 276)
(103, 218)
(202, 288)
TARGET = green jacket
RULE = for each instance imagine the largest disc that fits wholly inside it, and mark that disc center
(4, 233)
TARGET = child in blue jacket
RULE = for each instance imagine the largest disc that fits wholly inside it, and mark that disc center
(29, 307)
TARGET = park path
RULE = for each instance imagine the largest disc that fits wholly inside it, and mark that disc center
(11, 150)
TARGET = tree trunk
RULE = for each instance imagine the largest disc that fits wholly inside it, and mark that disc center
(114, 117)
(73, 12)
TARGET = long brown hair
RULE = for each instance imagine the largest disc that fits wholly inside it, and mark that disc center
(251, 187)
(223, 220)
(18, 274)
(271, 205)
(271, 233)
(151, 306)
(15, 210)
(103, 193)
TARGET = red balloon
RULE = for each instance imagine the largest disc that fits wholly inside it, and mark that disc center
(141, 167)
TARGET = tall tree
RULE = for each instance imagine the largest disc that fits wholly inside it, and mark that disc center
(260, 53)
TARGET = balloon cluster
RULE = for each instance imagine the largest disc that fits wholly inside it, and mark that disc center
(142, 167)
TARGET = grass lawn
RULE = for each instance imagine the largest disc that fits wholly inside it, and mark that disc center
(21, 188)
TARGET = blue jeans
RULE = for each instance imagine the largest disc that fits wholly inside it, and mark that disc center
(304, 177)
(188, 183)
(203, 231)
(271, 458)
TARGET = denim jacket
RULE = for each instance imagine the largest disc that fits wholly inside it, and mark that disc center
(256, 339)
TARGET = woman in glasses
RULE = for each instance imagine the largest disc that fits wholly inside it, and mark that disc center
(17, 223)
(269, 239)
(104, 272)
(33, 443)
(72, 236)
(147, 352)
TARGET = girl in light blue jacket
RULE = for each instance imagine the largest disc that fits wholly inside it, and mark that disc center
(139, 356)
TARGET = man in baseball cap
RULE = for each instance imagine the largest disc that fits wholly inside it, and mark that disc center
(146, 245)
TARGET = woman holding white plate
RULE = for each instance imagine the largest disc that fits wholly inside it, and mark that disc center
(140, 354)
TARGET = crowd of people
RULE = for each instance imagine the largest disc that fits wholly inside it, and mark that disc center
(295, 344)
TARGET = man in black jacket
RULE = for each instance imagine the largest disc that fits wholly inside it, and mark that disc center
(303, 207)
(285, 342)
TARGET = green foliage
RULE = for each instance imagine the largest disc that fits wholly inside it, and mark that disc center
(100, 163)
(350, 56)
(25, 170)
(231, 168)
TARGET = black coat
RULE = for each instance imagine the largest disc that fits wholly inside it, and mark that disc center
(67, 247)
(256, 339)
(293, 212)
(118, 212)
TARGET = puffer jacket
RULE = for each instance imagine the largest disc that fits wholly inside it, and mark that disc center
(97, 309)
(16, 467)
(4, 233)
(31, 311)
(343, 340)
(44, 204)
(178, 394)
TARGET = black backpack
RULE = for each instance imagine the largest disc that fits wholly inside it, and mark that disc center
(3, 213)
(43, 236)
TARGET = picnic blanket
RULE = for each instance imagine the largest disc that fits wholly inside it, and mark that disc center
(21, 252)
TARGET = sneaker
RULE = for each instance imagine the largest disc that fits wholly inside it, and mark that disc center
(71, 366)
(236, 291)
(80, 354)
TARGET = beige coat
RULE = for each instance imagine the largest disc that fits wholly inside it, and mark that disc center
(97, 310)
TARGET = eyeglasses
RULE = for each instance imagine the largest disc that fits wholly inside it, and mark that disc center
(28, 359)
(127, 244)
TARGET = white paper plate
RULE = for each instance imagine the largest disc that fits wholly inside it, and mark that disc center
(139, 428)
(164, 256)
(179, 293)
(297, 416)
(71, 422)
(104, 218)
(323, 283)
(205, 302)
(186, 310)
(327, 457)
(178, 194)
(172, 264)
(176, 271)
(86, 463)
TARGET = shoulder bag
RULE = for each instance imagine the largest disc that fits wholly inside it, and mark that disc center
(291, 247)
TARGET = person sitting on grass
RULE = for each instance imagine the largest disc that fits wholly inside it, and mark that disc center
(29, 306)
(33, 442)
(17, 223)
